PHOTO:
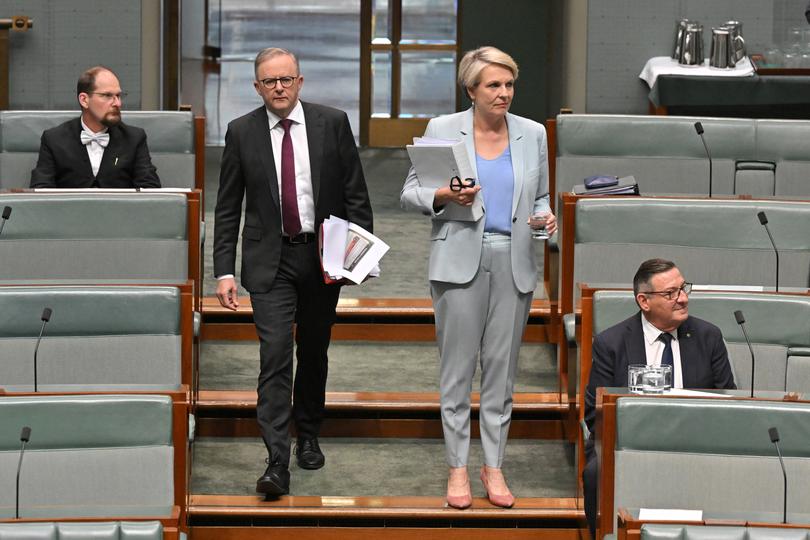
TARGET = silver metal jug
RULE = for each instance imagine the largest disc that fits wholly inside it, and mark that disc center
(692, 47)
(722, 51)
(738, 42)
(680, 29)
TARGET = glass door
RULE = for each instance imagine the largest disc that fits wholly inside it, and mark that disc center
(409, 54)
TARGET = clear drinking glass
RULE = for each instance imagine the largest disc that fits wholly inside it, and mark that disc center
(539, 218)
(656, 379)
(634, 377)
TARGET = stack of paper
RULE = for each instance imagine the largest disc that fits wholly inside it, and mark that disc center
(349, 251)
(436, 161)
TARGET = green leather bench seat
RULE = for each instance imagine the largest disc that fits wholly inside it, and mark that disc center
(98, 338)
(94, 236)
(778, 326)
(713, 242)
(89, 456)
(169, 134)
(655, 531)
(110, 530)
(710, 454)
(666, 155)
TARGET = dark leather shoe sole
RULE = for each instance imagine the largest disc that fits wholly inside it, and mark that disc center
(271, 487)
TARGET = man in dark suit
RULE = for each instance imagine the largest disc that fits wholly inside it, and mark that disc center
(96, 149)
(661, 333)
(294, 163)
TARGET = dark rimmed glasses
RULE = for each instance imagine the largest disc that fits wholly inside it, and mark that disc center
(286, 82)
(457, 184)
(673, 294)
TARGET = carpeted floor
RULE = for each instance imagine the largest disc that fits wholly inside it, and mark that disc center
(379, 467)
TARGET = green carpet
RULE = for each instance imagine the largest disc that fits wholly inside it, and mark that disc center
(382, 467)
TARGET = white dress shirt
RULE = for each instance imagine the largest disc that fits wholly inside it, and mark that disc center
(654, 349)
(303, 175)
(94, 150)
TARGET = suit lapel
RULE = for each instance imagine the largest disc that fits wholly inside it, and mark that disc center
(518, 161)
(316, 133)
(110, 157)
(686, 346)
(634, 345)
(261, 132)
(467, 134)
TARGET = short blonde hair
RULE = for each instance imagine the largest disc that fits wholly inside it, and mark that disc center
(473, 62)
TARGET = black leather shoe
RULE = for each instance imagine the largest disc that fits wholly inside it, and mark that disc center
(309, 454)
(275, 481)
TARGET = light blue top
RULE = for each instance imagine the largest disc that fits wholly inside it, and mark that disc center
(497, 180)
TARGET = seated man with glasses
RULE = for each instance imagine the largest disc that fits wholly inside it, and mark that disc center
(661, 333)
(96, 149)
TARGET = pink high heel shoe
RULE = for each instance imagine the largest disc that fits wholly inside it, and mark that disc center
(506, 500)
(460, 501)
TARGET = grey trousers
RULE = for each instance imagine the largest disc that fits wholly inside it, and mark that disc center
(483, 319)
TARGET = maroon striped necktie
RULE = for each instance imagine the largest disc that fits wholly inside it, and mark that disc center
(289, 197)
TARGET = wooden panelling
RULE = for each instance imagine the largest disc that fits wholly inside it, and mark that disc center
(375, 533)
(419, 428)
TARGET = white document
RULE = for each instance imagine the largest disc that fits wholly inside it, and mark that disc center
(436, 161)
(669, 514)
(350, 251)
(684, 392)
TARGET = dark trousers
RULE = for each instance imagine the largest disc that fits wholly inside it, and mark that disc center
(298, 296)
(590, 483)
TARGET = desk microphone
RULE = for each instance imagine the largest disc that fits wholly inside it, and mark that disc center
(741, 321)
(46, 316)
(5, 216)
(764, 220)
(699, 130)
(25, 435)
(775, 440)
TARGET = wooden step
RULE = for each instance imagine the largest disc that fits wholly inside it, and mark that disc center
(395, 402)
(370, 319)
(409, 508)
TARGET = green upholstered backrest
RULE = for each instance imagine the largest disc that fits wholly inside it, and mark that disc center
(712, 426)
(710, 454)
(96, 530)
(95, 236)
(169, 134)
(98, 337)
(666, 155)
(777, 325)
(660, 531)
(713, 242)
(88, 455)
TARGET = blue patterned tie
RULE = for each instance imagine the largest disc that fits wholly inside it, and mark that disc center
(667, 358)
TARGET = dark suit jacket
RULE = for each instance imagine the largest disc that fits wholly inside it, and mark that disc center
(63, 161)
(248, 171)
(704, 359)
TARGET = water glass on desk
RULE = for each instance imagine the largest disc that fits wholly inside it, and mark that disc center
(539, 218)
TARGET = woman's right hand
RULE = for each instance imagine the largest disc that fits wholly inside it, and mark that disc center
(465, 197)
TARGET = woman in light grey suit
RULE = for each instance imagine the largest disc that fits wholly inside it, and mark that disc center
(482, 273)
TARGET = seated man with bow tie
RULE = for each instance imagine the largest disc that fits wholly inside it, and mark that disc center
(661, 333)
(95, 150)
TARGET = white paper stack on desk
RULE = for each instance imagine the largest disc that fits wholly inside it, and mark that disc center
(436, 161)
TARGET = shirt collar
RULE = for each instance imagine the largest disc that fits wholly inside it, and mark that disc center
(651, 333)
(296, 115)
(90, 131)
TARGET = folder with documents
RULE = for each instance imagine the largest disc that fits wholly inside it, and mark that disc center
(349, 251)
(436, 161)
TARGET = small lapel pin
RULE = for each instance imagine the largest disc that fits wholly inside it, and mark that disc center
(116, 162)
(688, 334)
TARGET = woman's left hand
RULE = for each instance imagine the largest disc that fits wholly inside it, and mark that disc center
(551, 224)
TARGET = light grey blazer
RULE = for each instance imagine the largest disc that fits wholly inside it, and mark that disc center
(455, 250)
